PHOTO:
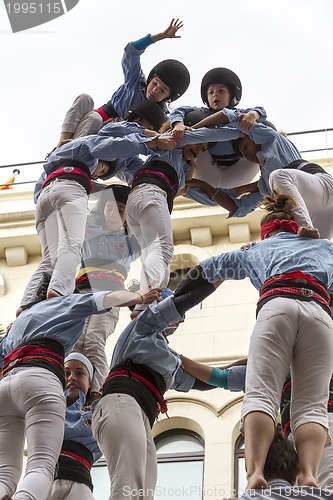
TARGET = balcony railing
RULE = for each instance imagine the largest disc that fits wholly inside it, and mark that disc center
(311, 143)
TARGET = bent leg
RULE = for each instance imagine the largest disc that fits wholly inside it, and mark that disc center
(82, 105)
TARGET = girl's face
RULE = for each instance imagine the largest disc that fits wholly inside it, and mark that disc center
(100, 170)
(77, 377)
(157, 90)
(114, 215)
(218, 96)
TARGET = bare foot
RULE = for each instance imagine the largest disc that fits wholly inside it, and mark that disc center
(52, 293)
(256, 482)
(308, 232)
(307, 480)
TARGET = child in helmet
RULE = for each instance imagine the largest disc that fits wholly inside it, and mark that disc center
(167, 81)
(221, 166)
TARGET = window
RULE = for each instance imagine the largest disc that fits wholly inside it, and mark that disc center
(180, 457)
(100, 479)
(239, 467)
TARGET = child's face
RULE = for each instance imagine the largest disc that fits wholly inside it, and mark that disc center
(157, 90)
(100, 170)
(193, 151)
(218, 96)
(249, 149)
(114, 215)
(77, 377)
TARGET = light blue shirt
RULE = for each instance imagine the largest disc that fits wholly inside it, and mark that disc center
(283, 253)
(134, 87)
(143, 342)
(61, 319)
(115, 246)
(221, 148)
(78, 425)
(276, 152)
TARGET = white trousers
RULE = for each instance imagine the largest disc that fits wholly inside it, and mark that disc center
(81, 119)
(290, 333)
(148, 218)
(123, 433)
(63, 489)
(61, 214)
(32, 405)
(92, 341)
(313, 194)
(240, 173)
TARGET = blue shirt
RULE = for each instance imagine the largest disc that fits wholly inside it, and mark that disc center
(283, 253)
(142, 342)
(173, 158)
(221, 148)
(78, 426)
(134, 87)
(105, 146)
(115, 246)
(61, 319)
(276, 152)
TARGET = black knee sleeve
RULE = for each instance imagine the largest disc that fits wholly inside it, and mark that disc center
(192, 290)
(190, 281)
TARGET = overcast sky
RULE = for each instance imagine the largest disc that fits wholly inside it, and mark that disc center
(281, 50)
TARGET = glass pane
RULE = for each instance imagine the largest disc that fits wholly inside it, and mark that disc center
(178, 443)
(179, 480)
(101, 482)
(241, 475)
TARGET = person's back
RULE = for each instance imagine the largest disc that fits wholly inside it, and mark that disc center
(166, 82)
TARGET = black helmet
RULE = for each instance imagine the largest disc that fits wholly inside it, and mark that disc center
(174, 74)
(194, 116)
(118, 192)
(227, 78)
(148, 110)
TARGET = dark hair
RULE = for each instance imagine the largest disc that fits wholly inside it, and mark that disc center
(112, 168)
(236, 145)
(278, 206)
(150, 111)
(282, 459)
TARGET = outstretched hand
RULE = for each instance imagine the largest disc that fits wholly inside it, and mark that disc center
(172, 29)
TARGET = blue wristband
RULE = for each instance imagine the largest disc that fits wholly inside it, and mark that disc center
(219, 378)
(143, 43)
